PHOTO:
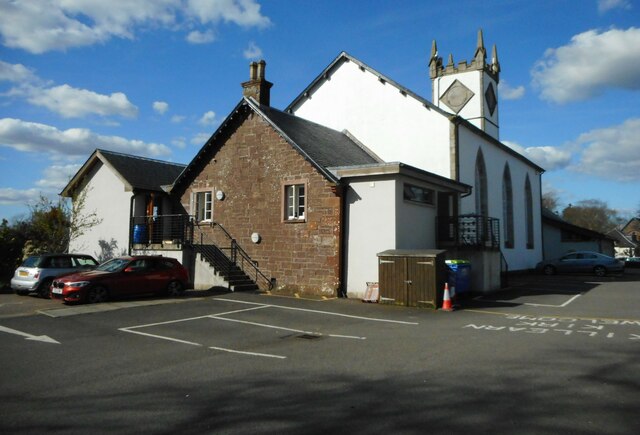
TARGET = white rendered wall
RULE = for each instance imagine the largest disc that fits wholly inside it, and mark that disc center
(107, 198)
(397, 127)
(415, 223)
(370, 214)
(518, 257)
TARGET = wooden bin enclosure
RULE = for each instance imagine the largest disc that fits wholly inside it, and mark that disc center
(413, 278)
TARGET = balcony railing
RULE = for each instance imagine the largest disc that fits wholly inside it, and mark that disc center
(172, 229)
(469, 231)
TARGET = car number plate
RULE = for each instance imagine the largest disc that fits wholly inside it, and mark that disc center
(23, 273)
(57, 291)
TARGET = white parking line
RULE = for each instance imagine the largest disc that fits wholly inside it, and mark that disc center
(254, 306)
(267, 355)
(554, 306)
(264, 325)
(329, 313)
(162, 337)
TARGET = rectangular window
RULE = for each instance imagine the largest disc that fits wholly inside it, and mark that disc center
(418, 194)
(295, 202)
(202, 206)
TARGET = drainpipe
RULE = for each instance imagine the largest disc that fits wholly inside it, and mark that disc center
(133, 195)
(341, 191)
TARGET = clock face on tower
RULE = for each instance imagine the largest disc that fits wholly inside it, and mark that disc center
(490, 98)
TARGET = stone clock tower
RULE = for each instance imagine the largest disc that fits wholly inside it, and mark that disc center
(470, 90)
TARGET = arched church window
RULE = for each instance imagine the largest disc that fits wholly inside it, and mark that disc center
(507, 207)
(528, 198)
(480, 186)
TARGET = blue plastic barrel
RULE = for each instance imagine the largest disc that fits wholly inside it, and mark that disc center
(140, 234)
(460, 275)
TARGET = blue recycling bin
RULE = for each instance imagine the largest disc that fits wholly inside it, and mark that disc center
(140, 235)
(459, 275)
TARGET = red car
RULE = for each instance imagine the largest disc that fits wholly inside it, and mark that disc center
(124, 276)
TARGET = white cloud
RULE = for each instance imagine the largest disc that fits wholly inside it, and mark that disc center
(589, 64)
(197, 37)
(510, 93)
(56, 177)
(611, 153)
(179, 142)
(200, 138)
(71, 102)
(177, 119)
(160, 107)
(77, 142)
(67, 101)
(38, 26)
(16, 73)
(252, 51)
(607, 5)
(244, 13)
(548, 157)
(11, 196)
(209, 118)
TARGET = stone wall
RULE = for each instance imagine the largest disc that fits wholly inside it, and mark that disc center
(251, 166)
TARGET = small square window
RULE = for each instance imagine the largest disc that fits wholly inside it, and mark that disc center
(295, 202)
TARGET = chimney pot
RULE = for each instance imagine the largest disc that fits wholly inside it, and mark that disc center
(257, 87)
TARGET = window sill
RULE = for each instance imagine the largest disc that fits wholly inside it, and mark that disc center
(294, 221)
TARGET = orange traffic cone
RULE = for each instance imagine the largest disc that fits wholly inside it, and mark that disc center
(446, 303)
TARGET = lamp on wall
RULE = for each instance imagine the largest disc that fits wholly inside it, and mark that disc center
(220, 195)
(255, 238)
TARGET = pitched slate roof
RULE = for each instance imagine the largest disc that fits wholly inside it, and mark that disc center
(143, 173)
(136, 173)
(553, 219)
(324, 146)
(319, 145)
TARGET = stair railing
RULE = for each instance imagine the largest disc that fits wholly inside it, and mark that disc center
(218, 238)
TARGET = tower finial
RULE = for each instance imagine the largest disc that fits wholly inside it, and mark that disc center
(434, 50)
(495, 64)
(481, 53)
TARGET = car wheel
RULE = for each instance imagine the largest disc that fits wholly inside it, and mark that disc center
(175, 288)
(549, 270)
(98, 294)
(43, 290)
(600, 271)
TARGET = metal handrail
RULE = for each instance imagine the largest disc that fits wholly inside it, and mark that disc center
(246, 263)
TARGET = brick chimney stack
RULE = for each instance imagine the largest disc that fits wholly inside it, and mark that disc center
(257, 86)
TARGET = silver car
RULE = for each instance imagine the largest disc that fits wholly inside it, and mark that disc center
(582, 262)
(36, 272)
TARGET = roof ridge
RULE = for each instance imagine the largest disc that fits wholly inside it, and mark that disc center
(132, 156)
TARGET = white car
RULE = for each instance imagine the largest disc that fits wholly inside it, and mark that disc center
(36, 273)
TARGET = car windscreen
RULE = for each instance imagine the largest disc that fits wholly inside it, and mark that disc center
(33, 261)
(113, 265)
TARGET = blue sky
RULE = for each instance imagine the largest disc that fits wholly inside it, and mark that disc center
(156, 77)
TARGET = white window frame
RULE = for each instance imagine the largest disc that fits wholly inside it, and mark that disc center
(202, 213)
(295, 196)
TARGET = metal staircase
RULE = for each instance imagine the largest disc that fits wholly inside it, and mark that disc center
(216, 246)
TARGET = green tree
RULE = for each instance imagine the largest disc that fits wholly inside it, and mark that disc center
(592, 214)
(12, 240)
(48, 226)
(550, 201)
